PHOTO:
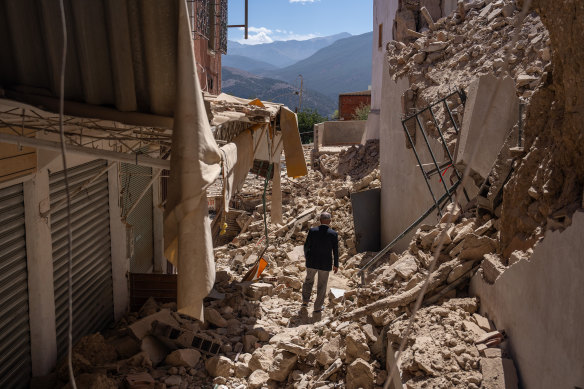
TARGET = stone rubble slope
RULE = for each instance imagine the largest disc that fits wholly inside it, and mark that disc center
(267, 340)
(462, 47)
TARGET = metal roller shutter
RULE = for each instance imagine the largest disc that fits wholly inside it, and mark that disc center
(134, 180)
(15, 360)
(92, 265)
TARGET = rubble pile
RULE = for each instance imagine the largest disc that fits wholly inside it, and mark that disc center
(447, 348)
(356, 161)
(256, 335)
(306, 197)
(473, 41)
(548, 186)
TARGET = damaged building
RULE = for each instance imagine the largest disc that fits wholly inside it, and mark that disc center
(458, 206)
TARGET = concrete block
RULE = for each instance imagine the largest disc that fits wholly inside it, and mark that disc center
(141, 380)
(474, 329)
(142, 327)
(491, 110)
(155, 349)
(459, 271)
(183, 357)
(482, 322)
(498, 373)
(492, 268)
(492, 352)
(258, 290)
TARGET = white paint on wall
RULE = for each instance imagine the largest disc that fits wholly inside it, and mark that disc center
(383, 13)
(39, 257)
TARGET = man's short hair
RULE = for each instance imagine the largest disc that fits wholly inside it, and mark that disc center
(325, 216)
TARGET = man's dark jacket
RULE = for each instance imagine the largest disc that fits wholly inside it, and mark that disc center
(322, 243)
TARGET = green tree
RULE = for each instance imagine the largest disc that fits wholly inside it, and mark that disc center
(307, 118)
(362, 112)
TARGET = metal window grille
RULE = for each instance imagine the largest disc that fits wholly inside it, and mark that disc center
(199, 13)
(450, 127)
(454, 102)
(222, 26)
(209, 22)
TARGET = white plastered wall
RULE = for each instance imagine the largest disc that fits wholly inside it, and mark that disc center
(404, 193)
(539, 303)
(383, 13)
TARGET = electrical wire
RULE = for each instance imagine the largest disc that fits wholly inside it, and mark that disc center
(68, 197)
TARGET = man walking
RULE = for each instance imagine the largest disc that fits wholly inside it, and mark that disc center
(320, 248)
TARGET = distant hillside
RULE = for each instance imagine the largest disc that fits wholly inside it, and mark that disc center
(280, 53)
(243, 84)
(344, 66)
(246, 63)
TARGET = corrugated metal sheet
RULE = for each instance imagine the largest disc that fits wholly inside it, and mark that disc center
(15, 360)
(134, 180)
(92, 266)
(120, 54)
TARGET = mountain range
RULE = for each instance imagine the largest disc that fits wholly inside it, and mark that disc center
(329, 66)
(243, 84)
(281, 53)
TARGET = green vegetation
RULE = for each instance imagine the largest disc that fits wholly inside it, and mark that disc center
(362, 112)
(307, 118)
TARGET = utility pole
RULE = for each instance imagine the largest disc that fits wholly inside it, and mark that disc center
(300, 93)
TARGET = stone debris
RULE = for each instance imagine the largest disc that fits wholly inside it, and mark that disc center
(262, 337)
(461, 47)
(260, 334)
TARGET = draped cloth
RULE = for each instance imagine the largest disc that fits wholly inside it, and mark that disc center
(194, 165)
(237, 161)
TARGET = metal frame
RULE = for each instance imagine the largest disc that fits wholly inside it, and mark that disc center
(200, 18)
(222, 47)
(438, 168)
(245, 25)
(443, 166)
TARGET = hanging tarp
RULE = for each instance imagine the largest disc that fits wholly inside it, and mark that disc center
(237, 160)
(194, 166)
(295, 162)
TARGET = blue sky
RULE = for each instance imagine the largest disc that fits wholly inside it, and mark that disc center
(272, 20)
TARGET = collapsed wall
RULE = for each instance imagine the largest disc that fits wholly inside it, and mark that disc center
(548, 185)
(454, 52)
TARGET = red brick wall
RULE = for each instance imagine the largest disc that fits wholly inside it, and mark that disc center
(210, 77)
(348, 104)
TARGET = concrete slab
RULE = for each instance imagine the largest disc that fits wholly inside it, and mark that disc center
(142, 327)
(491, 110)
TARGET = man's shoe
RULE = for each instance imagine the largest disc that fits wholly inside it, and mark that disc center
(304, 305)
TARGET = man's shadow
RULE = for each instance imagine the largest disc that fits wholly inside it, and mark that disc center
(303, 317)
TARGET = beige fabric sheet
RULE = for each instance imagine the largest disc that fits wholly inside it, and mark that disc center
(276, 209)
(295, 162)
(194, 165)
(237, 161)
